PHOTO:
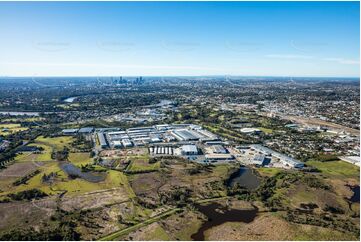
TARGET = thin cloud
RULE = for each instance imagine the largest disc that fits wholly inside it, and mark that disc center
(95, 65)
(343, 61)
(290, 57)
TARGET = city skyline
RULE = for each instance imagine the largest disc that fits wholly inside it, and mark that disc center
(318, 39)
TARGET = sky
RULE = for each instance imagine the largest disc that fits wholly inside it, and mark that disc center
(180, 38)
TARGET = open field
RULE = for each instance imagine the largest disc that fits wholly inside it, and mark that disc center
(79, 159)
(57, 143)
(6, 129)
(141, 164)
(270, 227)
(120, 233)
(265, 130)
(336, 169)
(265, 171)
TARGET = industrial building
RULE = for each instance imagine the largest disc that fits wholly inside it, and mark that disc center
(261, 160)
(102, 140)
(219, 157)
(218, 149)
(189, 150)
(70, 131)
(184, 135)
(351, 159)
(286, 160)
(86, 130)
(161, 150)
(127, 143)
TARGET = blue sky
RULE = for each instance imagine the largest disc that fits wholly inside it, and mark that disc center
(179, 38)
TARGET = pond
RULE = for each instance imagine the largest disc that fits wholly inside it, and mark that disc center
(74, 171)
(356, 194)
(70, 99)
(217, 215)
(245, 177)
(11, 113)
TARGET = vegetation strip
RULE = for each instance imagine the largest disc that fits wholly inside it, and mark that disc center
(139, 225)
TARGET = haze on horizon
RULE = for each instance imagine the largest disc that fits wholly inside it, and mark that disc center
(180, 38)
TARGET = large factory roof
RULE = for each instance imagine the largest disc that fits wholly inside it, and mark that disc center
(86, 130)
(189, 148)
(284, 158)
(184, 134)
(102, 140)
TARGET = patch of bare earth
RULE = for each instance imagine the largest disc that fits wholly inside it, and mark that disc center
(146, 187)
(182, 226)
(265, 227)
(22, 213)
(94, 200)
(17, 170)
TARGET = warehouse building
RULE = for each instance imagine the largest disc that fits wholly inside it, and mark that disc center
(284, 159)
(184, 135)
(189, 150)
(219, 157)
(70, 131)
(218, 149)
(86, 130)
(127, 143)
(261, 160)
(102, 140)
(117, 144)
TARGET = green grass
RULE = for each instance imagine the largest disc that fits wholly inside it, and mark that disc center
(336, 169)
(265, 130)
(12, 128)
(44, 155)
(141, 163)
(308, 233)
(57, 143)
(113, 179)
(80, 159)
(268, 171)
(158, 234)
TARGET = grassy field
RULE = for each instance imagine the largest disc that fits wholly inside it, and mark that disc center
(48, 145)
(6, 129)
(77, 186)
(265, 130)
(336, 169)
(140, 165)
(267, 171)
(57, 143)
(62, 182)
(122, 232)
(80, 159)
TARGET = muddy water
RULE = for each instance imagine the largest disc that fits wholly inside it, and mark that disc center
(217, 215)
(245, 177)
(74, 171)
(356, 194)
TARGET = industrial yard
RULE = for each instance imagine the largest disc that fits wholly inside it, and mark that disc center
(187, 141)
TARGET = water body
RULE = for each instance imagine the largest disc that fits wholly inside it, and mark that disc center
(164, 103)
(70, 99)
(245, 177)
(217, 215)
(75, 172)
(356, 194)
(19, 113)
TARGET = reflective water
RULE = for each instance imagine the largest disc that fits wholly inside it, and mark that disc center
(245, 177)
(217, 215)
(74, 172)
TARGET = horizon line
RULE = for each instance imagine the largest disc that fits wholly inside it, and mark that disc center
(217, 75)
